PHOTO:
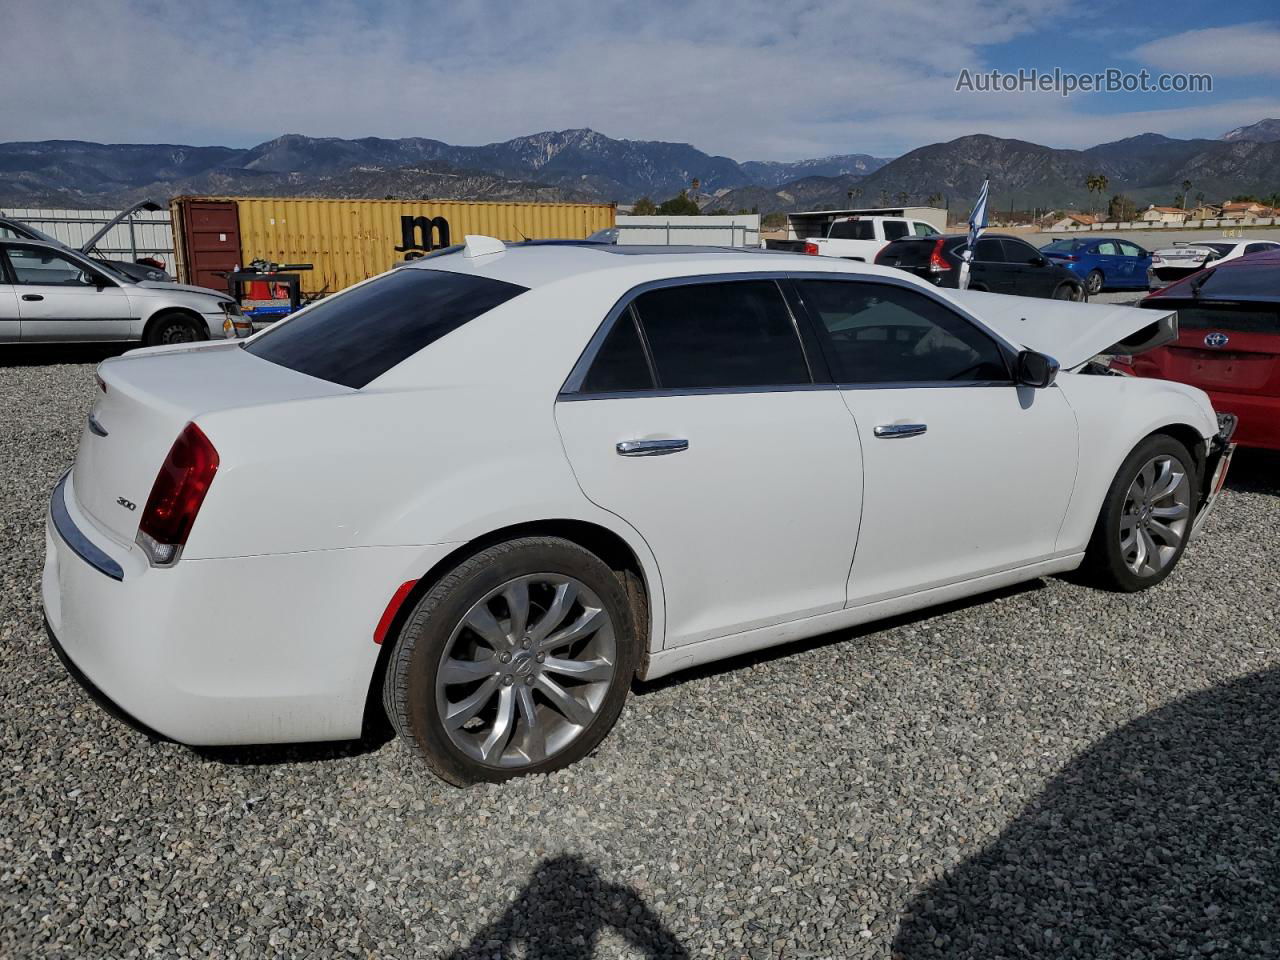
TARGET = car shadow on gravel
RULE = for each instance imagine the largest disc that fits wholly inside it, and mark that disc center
(1163, 840)
(561, 913)
(768, 654)
(45, 355)
(1255, 471)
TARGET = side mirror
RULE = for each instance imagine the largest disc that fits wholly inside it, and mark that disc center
(1037, 261)
(1034, 369)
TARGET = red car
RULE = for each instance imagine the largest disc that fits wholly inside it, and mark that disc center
(1228, 342)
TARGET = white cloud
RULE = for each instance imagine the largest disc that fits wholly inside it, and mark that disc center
(1246, 49)
(754, 80)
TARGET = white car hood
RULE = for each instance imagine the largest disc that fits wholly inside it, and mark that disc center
(165, 286)
(1072, 333)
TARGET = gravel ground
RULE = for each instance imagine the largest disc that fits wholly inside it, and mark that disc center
(1050, 771)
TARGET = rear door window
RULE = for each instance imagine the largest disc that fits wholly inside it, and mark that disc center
(1108, 248)
(894, 229)
(988, 251)
(714, 335)
(621, 365)
(357, 336)
(1015, 251)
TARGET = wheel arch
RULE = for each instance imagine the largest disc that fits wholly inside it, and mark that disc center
(186, 313)
(609, 545)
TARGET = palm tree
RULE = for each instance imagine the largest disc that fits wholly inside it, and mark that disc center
(934, 199)
(902, 197)
(1186, 190)
(1097, 183)
(884, 198)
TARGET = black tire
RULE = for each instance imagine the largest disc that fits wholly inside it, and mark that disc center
(172, 328)
(1093, 282)
(1104, 559)
(1066, 291)
(409, 689)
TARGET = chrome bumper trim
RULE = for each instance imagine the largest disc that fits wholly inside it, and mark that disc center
(80, 545)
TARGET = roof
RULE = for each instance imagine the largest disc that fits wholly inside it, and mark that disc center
(541, 262)
(1167, 209)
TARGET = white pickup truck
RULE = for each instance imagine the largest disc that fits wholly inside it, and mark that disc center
(861, 238)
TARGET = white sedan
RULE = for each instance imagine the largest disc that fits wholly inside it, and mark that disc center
(490, 488)
(1171, 264)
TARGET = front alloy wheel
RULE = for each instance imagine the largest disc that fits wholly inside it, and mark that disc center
(1157, 512)
(1146, 518)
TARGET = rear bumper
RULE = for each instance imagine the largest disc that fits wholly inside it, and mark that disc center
(265, 649)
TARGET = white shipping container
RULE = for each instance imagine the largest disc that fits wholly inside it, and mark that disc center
(146, 234)
(741, 230)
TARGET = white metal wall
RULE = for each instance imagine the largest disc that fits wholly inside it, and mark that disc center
(741, 230)
(151, 234)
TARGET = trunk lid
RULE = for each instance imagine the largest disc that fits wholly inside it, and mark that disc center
(907, 254)
(1072, 333)
(1231, 347)
(150, 396)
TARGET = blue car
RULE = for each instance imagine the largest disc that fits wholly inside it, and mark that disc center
(1102, 263)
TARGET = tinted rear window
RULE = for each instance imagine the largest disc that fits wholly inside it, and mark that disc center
(359, 335)
(852, 230)
(732, 334)
(1241, 318)
(908, 252)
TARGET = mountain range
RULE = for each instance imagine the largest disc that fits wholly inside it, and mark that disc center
(584, 165)
(555, 165)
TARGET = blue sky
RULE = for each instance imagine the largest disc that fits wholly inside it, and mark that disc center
(752, 79)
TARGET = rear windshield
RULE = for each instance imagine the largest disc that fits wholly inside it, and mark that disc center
(852, 230)
(909, 251)
(1063, 246)
(357, 336)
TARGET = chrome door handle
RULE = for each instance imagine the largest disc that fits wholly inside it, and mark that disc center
(650, 448)
(894, 431)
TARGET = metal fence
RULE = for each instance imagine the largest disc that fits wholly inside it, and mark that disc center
(145, 234)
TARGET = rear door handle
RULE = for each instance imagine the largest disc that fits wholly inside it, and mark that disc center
(650, 448)
(32, 297)
(895, 431)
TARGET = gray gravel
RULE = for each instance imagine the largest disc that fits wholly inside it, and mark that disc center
(1049, 772)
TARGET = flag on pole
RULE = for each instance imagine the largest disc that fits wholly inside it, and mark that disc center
(977, 223)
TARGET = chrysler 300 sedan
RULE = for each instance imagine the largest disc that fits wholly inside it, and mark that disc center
(488, 489)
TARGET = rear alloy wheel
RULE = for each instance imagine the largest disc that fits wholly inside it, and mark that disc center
(1093, 282)
(1145, 522)
(171, 330)
(517, 662)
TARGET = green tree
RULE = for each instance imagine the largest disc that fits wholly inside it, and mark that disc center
(644, 207)
(1121, 209)
(774, 221)
(902, 197)
(934, 199)
(679, 206)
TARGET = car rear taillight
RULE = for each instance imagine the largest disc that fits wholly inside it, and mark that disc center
(938, 263)
(1068, 258)
(176, 496)
(811, 249)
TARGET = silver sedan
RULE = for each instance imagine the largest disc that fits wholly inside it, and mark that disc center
(49, 294)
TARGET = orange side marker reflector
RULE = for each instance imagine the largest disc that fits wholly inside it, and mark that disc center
(388, 615)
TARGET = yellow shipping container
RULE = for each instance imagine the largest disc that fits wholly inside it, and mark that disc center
(350, 240)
